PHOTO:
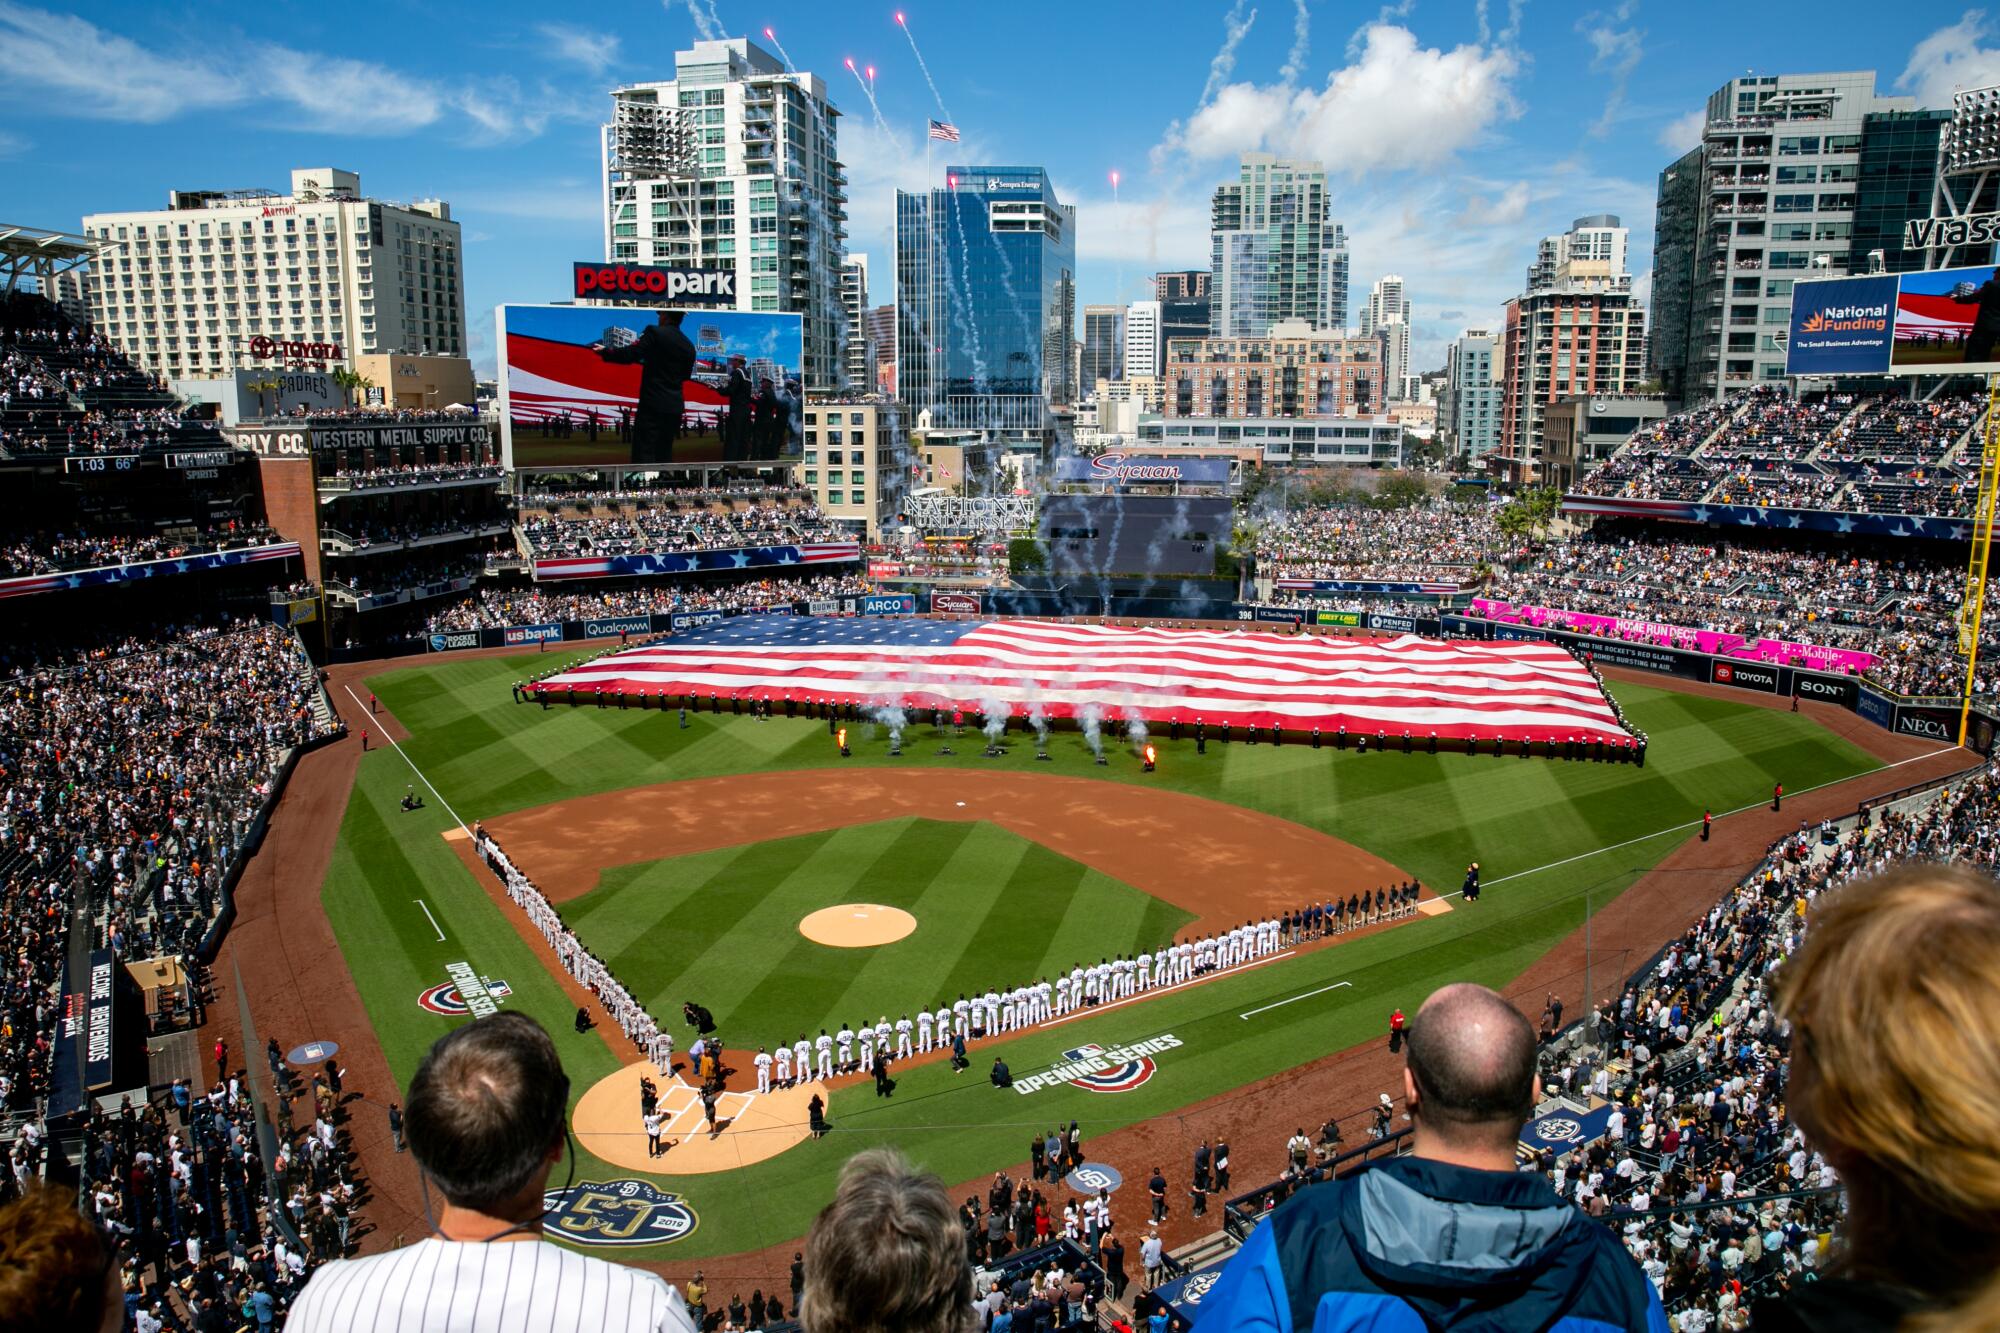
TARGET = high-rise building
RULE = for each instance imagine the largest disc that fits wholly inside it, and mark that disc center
(1103, 353)
(850, 463)
(222, 280)
(1275, 250)
(1145, 354)
(1576, 330)
(70, 290)
(1183, 298)
(1295, 371)
(858, 349)
(1469, 407)
(733, 163)
(986, 301)
(1387, 317)
(882, 342)
(1773, 194)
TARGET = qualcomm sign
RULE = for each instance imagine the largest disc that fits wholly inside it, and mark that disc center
(1123, 470)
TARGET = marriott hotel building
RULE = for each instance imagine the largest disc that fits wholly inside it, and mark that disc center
(220, 281)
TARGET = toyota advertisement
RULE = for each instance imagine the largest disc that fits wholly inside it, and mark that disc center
(617, 386)
(1942, 320)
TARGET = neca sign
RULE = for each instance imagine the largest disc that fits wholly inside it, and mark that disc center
(656, 282)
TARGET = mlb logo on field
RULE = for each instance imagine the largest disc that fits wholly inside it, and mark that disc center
(1102, 1074)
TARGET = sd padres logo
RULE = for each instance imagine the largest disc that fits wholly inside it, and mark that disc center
(446, 1000)
(617, 1212)
(1558, 1129)
(1121, 1077)
(1198, 1286)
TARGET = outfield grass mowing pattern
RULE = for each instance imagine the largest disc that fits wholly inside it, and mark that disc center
(1429, 814)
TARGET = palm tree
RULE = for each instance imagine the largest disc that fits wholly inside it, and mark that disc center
(260, 387)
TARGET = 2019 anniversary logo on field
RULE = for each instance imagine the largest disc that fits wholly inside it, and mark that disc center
(618, 1212)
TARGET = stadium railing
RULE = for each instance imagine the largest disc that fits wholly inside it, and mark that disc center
(1241, 1213)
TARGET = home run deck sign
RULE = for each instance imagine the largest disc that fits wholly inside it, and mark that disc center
(617, 1212)
(1102, 1068)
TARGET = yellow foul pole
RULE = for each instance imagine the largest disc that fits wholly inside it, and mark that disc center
(1974, 606)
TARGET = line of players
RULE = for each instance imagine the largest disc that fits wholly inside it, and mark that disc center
(1110, 980)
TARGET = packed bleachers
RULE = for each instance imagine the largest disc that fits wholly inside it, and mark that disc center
(53, 553)
(1437, 540)
(494, 607)
(1878, 453)
(1695, 1061)
(132, 774)
(574, 523)
(64, 390)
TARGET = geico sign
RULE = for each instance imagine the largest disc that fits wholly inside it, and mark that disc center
(666, 283)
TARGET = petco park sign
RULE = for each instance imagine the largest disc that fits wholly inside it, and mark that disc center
(664, 284)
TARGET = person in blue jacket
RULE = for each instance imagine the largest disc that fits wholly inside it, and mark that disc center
(1453, 1236)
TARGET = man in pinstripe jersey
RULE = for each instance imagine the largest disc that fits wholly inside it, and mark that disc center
(485, 1120)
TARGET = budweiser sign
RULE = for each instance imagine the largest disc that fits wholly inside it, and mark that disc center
(284, 349)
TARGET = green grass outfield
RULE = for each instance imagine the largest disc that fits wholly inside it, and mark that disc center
(991, 908)
(1546, 833)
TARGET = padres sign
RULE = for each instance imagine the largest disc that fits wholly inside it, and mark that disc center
(617, 1212)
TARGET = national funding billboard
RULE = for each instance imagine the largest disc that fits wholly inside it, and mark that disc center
(1940, 321)
(584, 386)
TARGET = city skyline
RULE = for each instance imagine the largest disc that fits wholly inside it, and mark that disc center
(1453, 138)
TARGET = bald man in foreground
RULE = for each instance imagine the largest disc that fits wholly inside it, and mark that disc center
(1453, 1236)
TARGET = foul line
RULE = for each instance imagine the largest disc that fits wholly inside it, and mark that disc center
(412, 763)
(1307, 996)
(427, 915)
(1152, 993)
(1696, 823)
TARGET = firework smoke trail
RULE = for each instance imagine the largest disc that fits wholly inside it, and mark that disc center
(874, 107)
(1091, 719)
(1135, 730)
(707, 24)
(904, 23)
(891, 716)
(1040, 722)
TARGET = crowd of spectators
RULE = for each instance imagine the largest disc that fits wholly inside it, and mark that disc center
(1881, 454)
(491, 608)
(378, 477)
(52, 553)
(628, 522)
(1694, 1060)
(64, 389)
(133, 774)
(1439, 539)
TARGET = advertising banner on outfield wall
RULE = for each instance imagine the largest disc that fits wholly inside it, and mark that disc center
(517, 634)
(613, 625)
(823, 606)
(683, 621)
(1744, 675)
(1842, 690)
(1932, 724)
(1282, 615)
(899, 604)
(1350, 618)
(1402, 624)
(452, 640)
(955, 603)
(1877, 708)
(1939, 321)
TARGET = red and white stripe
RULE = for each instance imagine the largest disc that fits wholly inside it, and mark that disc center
(556, 568)
(1455, 689)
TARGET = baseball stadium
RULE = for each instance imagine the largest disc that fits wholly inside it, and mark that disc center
(555, 827)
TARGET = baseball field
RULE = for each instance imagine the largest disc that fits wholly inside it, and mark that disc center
(687, 857)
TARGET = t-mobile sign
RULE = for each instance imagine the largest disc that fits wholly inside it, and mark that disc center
(656, 283)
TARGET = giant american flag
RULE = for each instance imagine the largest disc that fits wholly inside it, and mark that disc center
(1456, 689)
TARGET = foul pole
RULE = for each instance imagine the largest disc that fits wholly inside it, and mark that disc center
(1973, 609)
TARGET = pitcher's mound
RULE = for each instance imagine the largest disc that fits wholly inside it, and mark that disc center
(857, 925)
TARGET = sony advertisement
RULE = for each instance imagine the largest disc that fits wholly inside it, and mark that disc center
(1943, 320)
(618, 386)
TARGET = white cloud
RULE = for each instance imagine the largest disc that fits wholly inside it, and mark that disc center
(1616, 47)
(1503, 210)
(567, 200)
(1950, 59)
(1397, 105)
(1683, 132)
(347, 96)
(12, 145)
(1139, 236)
(582, 47)
(93, 73)
(68, 66)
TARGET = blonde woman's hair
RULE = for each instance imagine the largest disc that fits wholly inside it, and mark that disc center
(1894, 1002)
(887, 1255)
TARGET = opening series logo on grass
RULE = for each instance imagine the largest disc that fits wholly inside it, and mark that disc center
(1102, 1068)
(466, 993)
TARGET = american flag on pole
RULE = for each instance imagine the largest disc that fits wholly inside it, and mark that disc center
(944, 131)
(1457, 689)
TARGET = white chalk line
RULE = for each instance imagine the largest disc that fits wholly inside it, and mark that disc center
(428, 917)
(428, 784)
(1295, 999)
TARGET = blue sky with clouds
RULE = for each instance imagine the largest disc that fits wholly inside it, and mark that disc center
(1458, 131)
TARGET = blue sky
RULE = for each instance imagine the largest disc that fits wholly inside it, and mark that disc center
(1458, 131)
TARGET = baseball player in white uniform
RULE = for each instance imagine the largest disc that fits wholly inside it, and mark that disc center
(783, 1056)
(823, 1047)
(763, 1062)
(903, 1037)
(923, 1030)
(845, 1037)
(943, 1026)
